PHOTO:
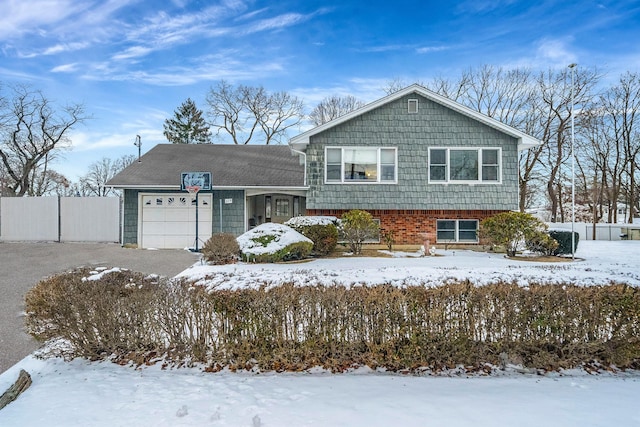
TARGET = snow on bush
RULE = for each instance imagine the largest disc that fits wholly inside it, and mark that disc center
(270, 242)
(299, 221)
(322, 230)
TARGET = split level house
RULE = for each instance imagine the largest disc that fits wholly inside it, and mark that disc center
(420, 163)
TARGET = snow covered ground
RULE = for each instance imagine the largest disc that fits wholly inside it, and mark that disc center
(596, 263)
(80, 393)
(104, 394)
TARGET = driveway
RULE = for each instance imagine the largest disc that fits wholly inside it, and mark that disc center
(22, 265)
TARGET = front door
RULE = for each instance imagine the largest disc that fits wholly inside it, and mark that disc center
(273, 207)
(281, 208)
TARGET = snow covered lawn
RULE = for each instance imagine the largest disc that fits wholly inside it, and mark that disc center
(104, 394)
(597, 263)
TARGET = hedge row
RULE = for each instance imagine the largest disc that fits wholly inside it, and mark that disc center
(293, 328)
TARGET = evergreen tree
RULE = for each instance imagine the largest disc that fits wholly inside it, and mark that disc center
(187, 126)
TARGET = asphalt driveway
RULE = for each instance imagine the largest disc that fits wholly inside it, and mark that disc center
(22, 265)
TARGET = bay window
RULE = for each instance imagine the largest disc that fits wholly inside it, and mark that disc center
(464, 165)
(360, 165)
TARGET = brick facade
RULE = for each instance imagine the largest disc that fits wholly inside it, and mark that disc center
(407, 224)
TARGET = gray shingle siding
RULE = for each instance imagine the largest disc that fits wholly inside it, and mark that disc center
(232, 213)
(392, 126)
(130, 225)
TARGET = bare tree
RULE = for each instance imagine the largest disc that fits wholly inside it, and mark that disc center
(555, 91)
(94, 182)
(280, 112)
(49, 182)
(32, 128)
(187, 126)
(622, 106)
(333, 107)
(396, 84)
(456, 90)
(241, 111)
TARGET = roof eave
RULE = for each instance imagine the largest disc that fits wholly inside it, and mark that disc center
(221, 187)
(528, 142)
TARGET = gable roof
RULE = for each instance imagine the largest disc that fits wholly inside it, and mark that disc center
(231, 166)
(525, 141)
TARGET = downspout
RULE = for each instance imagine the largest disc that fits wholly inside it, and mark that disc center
(121, 204)
(302, 153)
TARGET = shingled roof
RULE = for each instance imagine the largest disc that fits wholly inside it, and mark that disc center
(230, 166)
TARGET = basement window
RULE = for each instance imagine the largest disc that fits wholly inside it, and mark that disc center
(457, 231)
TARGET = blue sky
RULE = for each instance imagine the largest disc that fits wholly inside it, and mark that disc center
(132, 62)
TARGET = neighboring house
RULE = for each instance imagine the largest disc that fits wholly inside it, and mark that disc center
(418, 162)
(251, 184)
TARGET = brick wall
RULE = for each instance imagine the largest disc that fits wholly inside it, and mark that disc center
(407, 224)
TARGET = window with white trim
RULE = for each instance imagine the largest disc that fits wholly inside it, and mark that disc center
(360, 165)
(457, 230)
(465, 165)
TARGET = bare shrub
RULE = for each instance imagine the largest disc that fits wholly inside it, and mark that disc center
(127, 317)
(97, 317)
(221, 248)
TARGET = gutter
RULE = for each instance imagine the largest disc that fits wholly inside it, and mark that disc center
(305, 162)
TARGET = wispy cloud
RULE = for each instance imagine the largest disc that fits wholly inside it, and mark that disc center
(250, 15)
(431, 49)
(65, 47)
(93, 141)
(281, 21)
(276, 22)
(66, 68)
(229, 65)
(385, 48)
(555, 51)
(483, 6)
(76, 24)
(402, 47)
(132, 52)
(18, 17)
(163, 31)
(122, 48)
(20, 75)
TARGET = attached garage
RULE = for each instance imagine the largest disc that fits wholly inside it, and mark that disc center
(249, 184)
(168, 220)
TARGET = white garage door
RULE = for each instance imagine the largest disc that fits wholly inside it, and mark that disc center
(169, 220)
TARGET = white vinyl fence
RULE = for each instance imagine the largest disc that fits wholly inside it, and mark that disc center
(603, 231)
(60, 219)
